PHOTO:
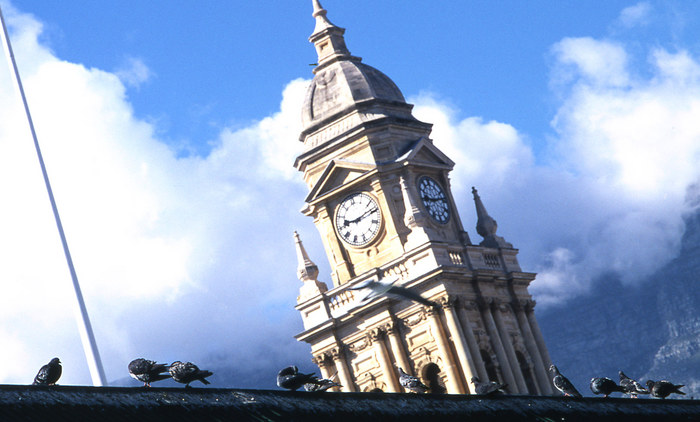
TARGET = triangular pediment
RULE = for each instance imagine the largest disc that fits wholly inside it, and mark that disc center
(425, 153)
(337, 173)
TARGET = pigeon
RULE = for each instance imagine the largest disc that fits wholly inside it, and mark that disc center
(631, 387)
(562, 383)
(605, 386)
(290, 378)
(186, 372)
(148, 371)
(663, 389)
(376, 289)
(49, 373)
(411, 383)
(491, 388)
(321, 384)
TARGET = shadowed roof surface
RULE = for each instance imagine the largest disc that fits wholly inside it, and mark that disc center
(70, 403)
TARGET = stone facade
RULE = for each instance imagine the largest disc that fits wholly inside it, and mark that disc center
(379, 194)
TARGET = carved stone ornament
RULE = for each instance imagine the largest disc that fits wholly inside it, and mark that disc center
(447, 302)
(361, 345)
(321, 360)
(336, 353)
(376, 334)
(416, 319)
(470, 305)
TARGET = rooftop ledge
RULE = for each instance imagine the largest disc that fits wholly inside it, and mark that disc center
(59, 403)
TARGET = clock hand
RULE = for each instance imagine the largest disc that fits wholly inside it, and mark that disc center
(363, 215)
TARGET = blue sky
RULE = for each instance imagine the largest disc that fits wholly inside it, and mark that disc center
(170, 132)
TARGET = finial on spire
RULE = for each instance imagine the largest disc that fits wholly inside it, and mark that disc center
(328, 38)
(306, 269)
(319, 14)
(307, 272)
(486, 226)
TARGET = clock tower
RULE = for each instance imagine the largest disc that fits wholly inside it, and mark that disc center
(380, 196)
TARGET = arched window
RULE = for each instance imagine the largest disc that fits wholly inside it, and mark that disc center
(431, 378)
(490, 367)
(527, 374)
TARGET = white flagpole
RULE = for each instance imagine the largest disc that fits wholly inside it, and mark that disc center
(88, 338)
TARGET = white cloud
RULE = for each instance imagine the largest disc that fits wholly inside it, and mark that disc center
(600, 63)
(609, 194)
(174, 255)
(636, 15)
(134, 72)
(187, 258)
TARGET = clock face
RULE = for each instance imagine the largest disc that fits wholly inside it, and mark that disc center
(434, 199)
(358, 219)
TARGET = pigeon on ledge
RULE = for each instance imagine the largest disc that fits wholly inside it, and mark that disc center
(290, 378)
(491, 388)
(186, 372)
(663, 388)
(605, 386)
(562, 384)
(411, 383)
(386, 287)
(148, 371)
(322, 384)
(631, 387)
(49, 373)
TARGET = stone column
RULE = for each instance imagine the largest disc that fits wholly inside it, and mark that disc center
(530, 312)
(499, 309)
(472, 343)
(392, 330)
(392, 381)
(454, 382)
(324, 365)
(503, 362)
(343, 372)
(538, 364)
(455, 329)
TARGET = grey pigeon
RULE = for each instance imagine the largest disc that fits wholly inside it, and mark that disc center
(187, 372)
(631, 387)
(386, 287)
(562, 384)
(321, 384)
(148, 371)
(411, 383)
(604, 386)
(49, 373)
(491, 388)
(663, 388)
(290, 378)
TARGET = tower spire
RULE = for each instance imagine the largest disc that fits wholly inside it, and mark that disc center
(328, 39)
(307, 272)
(306, 269)
(486, 226)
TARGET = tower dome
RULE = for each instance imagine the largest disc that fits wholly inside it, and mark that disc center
(343, 83)
(346, 84)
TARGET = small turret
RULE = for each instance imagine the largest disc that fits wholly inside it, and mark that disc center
(486, 226)
(307, 272)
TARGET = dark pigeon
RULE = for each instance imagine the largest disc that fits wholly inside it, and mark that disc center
(663, 388)
(148, 371)
(411, 383)
(491, 388)
(187, 372)
(605, 386)
(321, 384)
(49, 373)
(382, 287)
(631, 387)
(562, 384)
(290, 378)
